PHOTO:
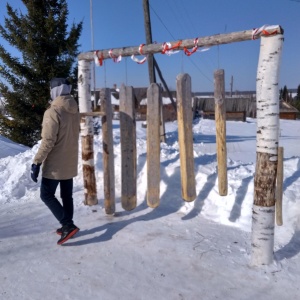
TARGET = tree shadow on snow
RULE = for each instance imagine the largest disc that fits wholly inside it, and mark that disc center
(289, 250)
(290, 180)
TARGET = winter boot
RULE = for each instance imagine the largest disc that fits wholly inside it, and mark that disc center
(67, 232)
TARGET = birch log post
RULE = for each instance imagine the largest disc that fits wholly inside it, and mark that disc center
(153, 144)
(185, 136)
(220, 118)
(128, 147)
(279, 187)
(108, 152)
(87, 133)
(267, 100)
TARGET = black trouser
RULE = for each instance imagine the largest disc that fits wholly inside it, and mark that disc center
(62, 212)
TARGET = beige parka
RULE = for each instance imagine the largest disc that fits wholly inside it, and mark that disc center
(60, 133)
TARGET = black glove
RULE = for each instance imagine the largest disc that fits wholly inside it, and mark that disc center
(35, 170)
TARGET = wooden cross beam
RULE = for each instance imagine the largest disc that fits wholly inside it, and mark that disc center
(208, 41)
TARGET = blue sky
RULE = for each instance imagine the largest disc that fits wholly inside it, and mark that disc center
(120, 23)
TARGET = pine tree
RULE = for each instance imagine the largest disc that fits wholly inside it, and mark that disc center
(285, 94)
(298, 93)
(47, 49)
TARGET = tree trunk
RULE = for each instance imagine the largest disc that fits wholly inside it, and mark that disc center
(128, 147)
(267, 94)
(220, 117)
(185, 136)
(108, 152)
(87, 133)
(206, 41)
(153, 145)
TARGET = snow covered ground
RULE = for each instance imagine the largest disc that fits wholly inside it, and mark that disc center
(198, 250)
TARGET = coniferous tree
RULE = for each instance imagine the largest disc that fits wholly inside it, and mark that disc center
(296, 102)
(285, 94)
(298, 93)
(47, 49)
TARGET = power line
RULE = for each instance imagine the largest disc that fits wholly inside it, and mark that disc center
(175, 39)
(162, 22)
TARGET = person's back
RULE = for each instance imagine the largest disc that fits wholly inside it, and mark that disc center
(58, 153)
(60, 133)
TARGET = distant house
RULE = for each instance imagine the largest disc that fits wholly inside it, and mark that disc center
(287, 111)
(239, 108)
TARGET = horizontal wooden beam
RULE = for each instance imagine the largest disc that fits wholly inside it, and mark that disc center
(208, 41)
(92, 114)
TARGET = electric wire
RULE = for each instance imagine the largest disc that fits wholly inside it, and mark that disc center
(191, 60)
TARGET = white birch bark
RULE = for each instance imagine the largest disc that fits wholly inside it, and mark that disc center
(84, 96)
(267, 94)
(87, 132)
(263, 239)
(267, 98)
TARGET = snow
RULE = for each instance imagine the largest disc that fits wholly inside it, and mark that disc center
(197, 250)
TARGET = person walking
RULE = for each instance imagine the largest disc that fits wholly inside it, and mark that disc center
(58, 155)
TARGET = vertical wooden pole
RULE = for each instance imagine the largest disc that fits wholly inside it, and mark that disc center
(153, 145)
(128, 147)
(267, 102)
(279, 188)
(147, 23)
(220, 117)
(108, 152)
(162, 122)
(185, 135)
(87, 132)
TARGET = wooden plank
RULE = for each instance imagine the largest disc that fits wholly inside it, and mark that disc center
(128, 148)
(279, 188)
(92, 114)
(153, 145)
(220, 117)
(108, 152)
(185, 136)
(206, 41)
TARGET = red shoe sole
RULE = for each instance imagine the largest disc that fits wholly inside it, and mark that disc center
(68, 236)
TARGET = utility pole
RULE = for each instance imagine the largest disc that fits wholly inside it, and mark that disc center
(151, 61)
(148, 33)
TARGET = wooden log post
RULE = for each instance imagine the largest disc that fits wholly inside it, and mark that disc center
(108, 152)
(220, 118)
(128, 147)
(279, 188)
(267, 100)
(153, 145)
(185, 136)
(87, 133)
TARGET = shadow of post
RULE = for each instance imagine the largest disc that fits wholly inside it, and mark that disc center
(240, 196)
(291, 249)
